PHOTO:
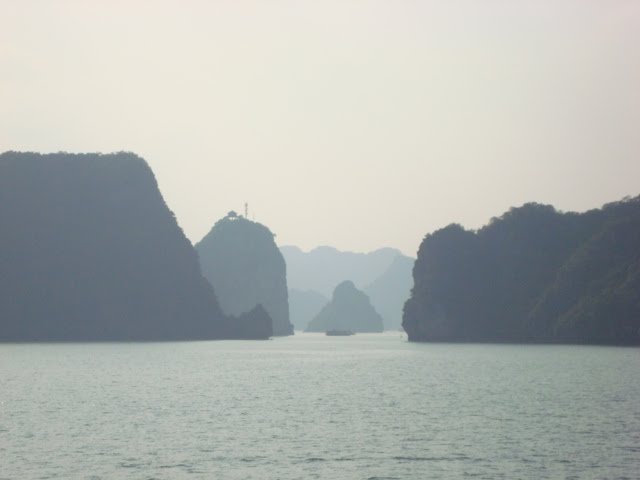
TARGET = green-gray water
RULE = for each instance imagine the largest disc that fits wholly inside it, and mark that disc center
(311, 406)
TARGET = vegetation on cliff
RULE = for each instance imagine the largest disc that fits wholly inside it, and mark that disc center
(90, 251)
(532, 275)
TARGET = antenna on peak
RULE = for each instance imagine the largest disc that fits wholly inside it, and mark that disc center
(246, 210)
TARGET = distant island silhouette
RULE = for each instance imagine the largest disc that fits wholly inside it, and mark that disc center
(243, 264)
(348, 310)
(384, 275)
(304, 305)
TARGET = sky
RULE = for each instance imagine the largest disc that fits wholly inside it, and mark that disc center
(356, 124)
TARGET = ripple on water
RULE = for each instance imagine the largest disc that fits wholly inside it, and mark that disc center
(311, 407)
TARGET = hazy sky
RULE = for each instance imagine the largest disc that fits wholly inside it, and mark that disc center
(357, 124)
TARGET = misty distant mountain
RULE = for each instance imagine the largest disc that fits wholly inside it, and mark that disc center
(385, 274)
(241, 260)
(304, 305)
(390, 291)
(323, 268)
(532, 275)
(90, 251)
(349, 309)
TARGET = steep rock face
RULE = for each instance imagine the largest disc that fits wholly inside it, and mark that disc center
(90, 251)
(349, 309)
(390, 291)
(243, 264)
(595, 296)
(304, 305)
(533, 274)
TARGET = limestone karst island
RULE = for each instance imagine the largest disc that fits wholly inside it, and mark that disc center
(90, 251)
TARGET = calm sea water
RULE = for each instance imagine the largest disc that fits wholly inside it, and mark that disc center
(311, 406)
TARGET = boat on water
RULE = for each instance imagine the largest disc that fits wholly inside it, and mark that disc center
(339, 333)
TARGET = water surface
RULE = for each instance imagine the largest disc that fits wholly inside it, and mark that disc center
(311, 406)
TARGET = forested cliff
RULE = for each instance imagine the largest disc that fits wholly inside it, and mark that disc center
(532, 275)
(90, 251)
